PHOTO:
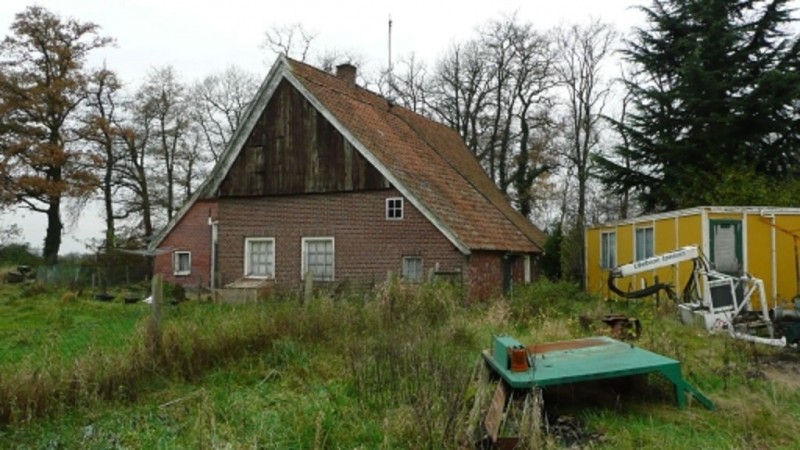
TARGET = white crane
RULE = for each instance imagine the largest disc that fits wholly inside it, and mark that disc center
(717, 300)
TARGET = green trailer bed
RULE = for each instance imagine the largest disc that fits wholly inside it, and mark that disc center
(588, 359)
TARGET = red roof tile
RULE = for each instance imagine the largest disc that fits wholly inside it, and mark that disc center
(430, 160)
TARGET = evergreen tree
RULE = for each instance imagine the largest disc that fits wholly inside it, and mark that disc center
(721, 92)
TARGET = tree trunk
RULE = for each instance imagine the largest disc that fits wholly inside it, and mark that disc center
(582, 178)
(109, 205)
(52, 240)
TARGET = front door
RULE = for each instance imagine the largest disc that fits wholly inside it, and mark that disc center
(726, 246)
(508, 274)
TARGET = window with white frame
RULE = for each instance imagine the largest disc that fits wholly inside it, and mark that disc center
(412, 268)
(182, 263)
(394, 208)
(608, 250)
(259, 257)
(318, 258)
(644, 243)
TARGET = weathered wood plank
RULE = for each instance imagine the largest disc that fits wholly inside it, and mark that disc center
(494, 417)
(293, 149)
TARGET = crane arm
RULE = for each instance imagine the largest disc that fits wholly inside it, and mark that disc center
(688, 253)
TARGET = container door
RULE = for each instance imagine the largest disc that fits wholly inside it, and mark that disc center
(726, 246)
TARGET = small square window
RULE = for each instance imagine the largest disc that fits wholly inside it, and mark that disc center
(182, 263)
(394, 208)
(412, 268)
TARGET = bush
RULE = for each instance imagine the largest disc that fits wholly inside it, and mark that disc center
(546, 298)
(18, 254)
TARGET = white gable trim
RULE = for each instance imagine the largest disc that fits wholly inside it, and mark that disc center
(251, 115)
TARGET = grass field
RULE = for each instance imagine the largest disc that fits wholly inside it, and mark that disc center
(388, 369)
(36, 323)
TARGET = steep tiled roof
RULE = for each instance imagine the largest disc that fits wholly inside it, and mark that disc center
(428, 159)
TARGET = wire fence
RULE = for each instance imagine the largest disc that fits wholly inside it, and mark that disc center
(97, 272)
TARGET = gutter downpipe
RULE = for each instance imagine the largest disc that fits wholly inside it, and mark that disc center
(212, 278)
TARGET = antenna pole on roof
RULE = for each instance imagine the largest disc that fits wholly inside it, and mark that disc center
(390, 50)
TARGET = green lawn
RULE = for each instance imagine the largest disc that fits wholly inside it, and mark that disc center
(37, 324)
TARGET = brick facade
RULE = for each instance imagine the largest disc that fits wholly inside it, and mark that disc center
(367, 245)
(193, 234)
(484, 276)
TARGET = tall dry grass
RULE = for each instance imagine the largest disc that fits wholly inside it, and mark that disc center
(399, 336)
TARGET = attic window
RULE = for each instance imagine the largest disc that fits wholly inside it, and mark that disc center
(394, 208)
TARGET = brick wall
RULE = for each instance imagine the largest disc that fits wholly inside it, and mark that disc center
(485, 273)
(367, 245)
(193, 234)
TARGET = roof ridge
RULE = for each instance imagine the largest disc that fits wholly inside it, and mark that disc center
(345, 92)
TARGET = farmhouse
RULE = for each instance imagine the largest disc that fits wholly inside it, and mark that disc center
(761, 241)
(328, 178)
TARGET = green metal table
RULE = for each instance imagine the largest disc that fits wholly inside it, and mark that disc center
(587, 359)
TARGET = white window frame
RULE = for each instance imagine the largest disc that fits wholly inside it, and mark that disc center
(421, 268)
(247, 269)
(401, 208)
(176, 260)
(637, 256)
(611, 261)
(304, 256)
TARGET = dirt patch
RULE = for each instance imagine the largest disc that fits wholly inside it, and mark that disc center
(783, 369)
(573, 434)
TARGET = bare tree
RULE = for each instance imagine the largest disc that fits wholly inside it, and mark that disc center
(583, 50)
(162, 102)
(10, 234)
(101, 132)
(291, 40)
(406, 84)
(133, 168)
(459, 90)
(218, 104)
(496, 91)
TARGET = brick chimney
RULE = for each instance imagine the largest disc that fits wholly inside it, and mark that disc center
(346, 72)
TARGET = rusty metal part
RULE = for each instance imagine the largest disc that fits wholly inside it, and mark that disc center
(538, 349)
(622, 326)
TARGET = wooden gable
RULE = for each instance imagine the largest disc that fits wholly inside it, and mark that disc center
(293, 149)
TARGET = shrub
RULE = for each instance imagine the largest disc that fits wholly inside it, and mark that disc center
(545, 298)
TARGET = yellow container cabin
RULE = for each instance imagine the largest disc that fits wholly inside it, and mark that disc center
(761, 241)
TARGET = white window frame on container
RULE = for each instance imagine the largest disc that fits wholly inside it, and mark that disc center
(608, 249)
(644, 243)
(269, 256)
(395, 208)
(176, 263)
(418, 275)
(311, 265)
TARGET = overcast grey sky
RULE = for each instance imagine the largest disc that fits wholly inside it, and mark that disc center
(199, 37)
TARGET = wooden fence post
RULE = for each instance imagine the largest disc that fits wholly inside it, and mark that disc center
(154, 333)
